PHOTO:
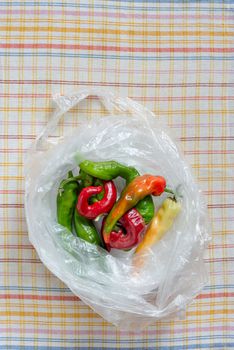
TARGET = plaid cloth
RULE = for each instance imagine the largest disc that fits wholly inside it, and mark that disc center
(177, 59)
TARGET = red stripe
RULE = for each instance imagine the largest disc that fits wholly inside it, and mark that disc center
(218, 192)
(207, 138)
(17, 150)
(210, 193)
(37, 261)
(215, 295)
(17, 246)
(12, 260)
(228, 151)
(221, 246)
(74, 298)
(220, 206)
(116, 48)
(101, 83)
(20, 205)
(18, 95)
(8, 205)
(30, 247)
(16, 137)
(192, 138)
(150, 98)
(11, 191)
(220, 260)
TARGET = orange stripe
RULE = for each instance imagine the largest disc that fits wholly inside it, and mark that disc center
(211, 312)
(47, 314)
(39, 297)
(77, 22)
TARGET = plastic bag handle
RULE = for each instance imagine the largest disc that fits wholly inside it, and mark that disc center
(65, 102)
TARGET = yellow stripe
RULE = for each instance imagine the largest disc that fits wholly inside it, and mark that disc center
(67, 305)
(95, 21)
(11, 164)
(107, 31)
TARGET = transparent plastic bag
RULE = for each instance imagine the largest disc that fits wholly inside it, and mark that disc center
(174, 272)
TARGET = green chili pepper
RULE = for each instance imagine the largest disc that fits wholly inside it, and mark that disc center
(99, 196)
(146, 208)
(86, 179)
(85, 229)
(109, 170)
(66, 208)
(66, 201)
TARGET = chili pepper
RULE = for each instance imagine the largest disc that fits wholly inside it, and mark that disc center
(146, 208)
(91, 211)
(109, 170)
(66, 201)
(129, 233)
(136, 190)
(99, 196)
(86, 179)
(161, 223)
(85, 229)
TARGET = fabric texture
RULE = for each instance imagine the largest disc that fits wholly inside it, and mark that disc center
(175, 57)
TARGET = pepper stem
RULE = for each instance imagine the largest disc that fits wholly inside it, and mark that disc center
(70, 179)
(168, 190)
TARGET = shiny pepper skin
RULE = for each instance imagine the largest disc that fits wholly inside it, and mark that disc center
(129, 234)
(91, 211)
(136, 190)
(109, 170)
(85, 229)
(161, 223)
(66, 202)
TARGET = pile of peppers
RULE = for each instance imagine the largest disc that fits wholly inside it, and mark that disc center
(92, 195)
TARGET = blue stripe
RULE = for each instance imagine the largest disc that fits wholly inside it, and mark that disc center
(124, 7)
(172, 347)
(124, 341)
(219, 286)
(39, 289)
(67, 290)
(180, 1)
(133, 58)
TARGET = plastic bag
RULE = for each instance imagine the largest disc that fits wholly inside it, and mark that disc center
(174, 273)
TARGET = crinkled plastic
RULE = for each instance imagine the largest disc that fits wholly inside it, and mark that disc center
(174, 271)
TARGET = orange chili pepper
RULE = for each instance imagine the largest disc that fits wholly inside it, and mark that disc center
(136, 190)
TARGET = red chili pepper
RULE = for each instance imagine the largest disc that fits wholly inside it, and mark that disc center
(136, 190)
(91, 211)
(130, 234)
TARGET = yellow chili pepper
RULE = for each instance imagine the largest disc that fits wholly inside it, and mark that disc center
(160, 224)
